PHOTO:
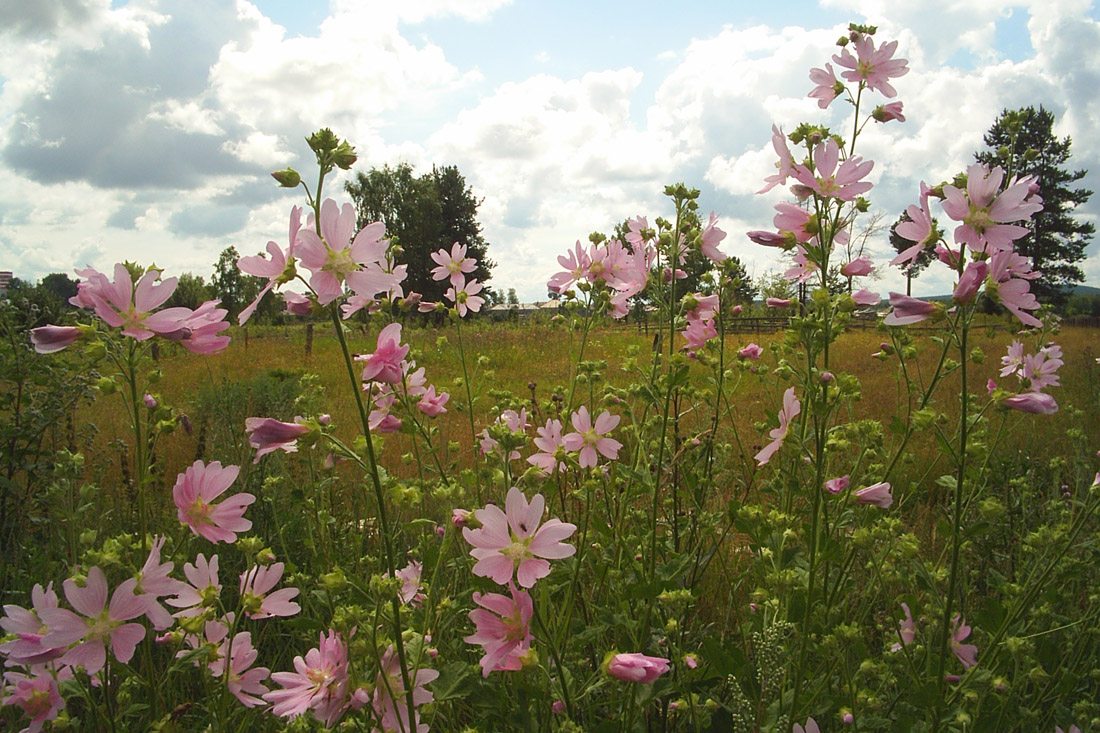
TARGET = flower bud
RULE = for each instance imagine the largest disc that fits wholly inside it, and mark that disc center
(287, 178)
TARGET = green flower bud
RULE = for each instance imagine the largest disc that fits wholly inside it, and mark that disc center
(287, 178)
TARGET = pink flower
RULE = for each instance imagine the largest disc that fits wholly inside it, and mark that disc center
(985, 214)
(384, 365)
(907, 630)
(38, 697)
(512, 541)
(970, 282)
(243, 682)
(389, 701)
(297, 304)
(791, 408)
(576, 265)
(872, 67)
(1009, 274)
(552, 448)
(453, 265)
(1014, 361)
(828, 180)
(29, 630)
(202, 589)
(268, 435)
(791, 219)
(333, 261)
(637, 668)
(967, 653)
(273, 269)
(836, 485)
(153, 582)
(1040, 370)
(778, 302)
(319, 683)
(1036, 403)
(102, 623)
(194, 493)
(48, 339)
(811, 727)
(920, 228)
(866, 297)
(255, 599)
(465, 297)
(698, 333)
(752, 352)
(888, 112)
(200, 331)
(121, 304)
(590, 439)
(503, 629)
(769, 239)
(828, 86)
(785, 164)
(877, 494)
(690, 661)
(432, 404)
(710, 238)
(858, 267)
(410, 583)
(908, 310)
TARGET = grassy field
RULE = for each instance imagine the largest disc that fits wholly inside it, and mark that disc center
(534, 361)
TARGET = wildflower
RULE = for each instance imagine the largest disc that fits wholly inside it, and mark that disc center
(319, 683)
(48, 339)
(984, 214)
(1014, 361)
(858, 267)
(785, 164)
(268, 435)
(967, 653)
(811, 727)
(864, 296)
(334, 258)
(297, 304)
(384, 364)
(390, 698)
(503, 629)
(432, 404)
(465, 297)
(245, 682)
(1036, 403)
(591, 439)
(453, 265)
(200, 331)
(769, 239)
(877, 494)
(830, 181)
(871, 67)
(512, 542)
(576, 265)
(907, 310)
(202, 589)
(153, 582)
(255, 600)
(778, 302)
(101, 623)
(1008, 278)
(836, 485)
(697, 333)
(920, 228)
(28, 629)
(273, 269)
(122, 304)
(552, 447)
(752, 352)
(37, 696)
(828, 86)
(710, 238)
(907, 630)
(637, 668)
(970, 281)
(793, 220)
(195, 490)
(410, 583)
(791, 408)
(888, 112)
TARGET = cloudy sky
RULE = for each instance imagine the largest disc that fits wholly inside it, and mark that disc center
(146, 129)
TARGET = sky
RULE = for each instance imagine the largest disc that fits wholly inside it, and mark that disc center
(146, 129)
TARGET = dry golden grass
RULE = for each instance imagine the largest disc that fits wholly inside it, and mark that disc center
(541, 353)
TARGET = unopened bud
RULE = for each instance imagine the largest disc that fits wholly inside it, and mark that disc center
(287, 178)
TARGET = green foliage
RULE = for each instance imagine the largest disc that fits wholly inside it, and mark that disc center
(422, 214)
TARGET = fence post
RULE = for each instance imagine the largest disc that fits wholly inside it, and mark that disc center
(309, 339)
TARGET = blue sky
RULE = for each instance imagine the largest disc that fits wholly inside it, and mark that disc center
(145, 129)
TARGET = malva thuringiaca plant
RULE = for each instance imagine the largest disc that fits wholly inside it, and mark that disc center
(610, 558)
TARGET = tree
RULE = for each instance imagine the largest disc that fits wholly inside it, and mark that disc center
(191, 292)
(60, 285)
(1023, 143)
(234, 289)
(422, 214)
